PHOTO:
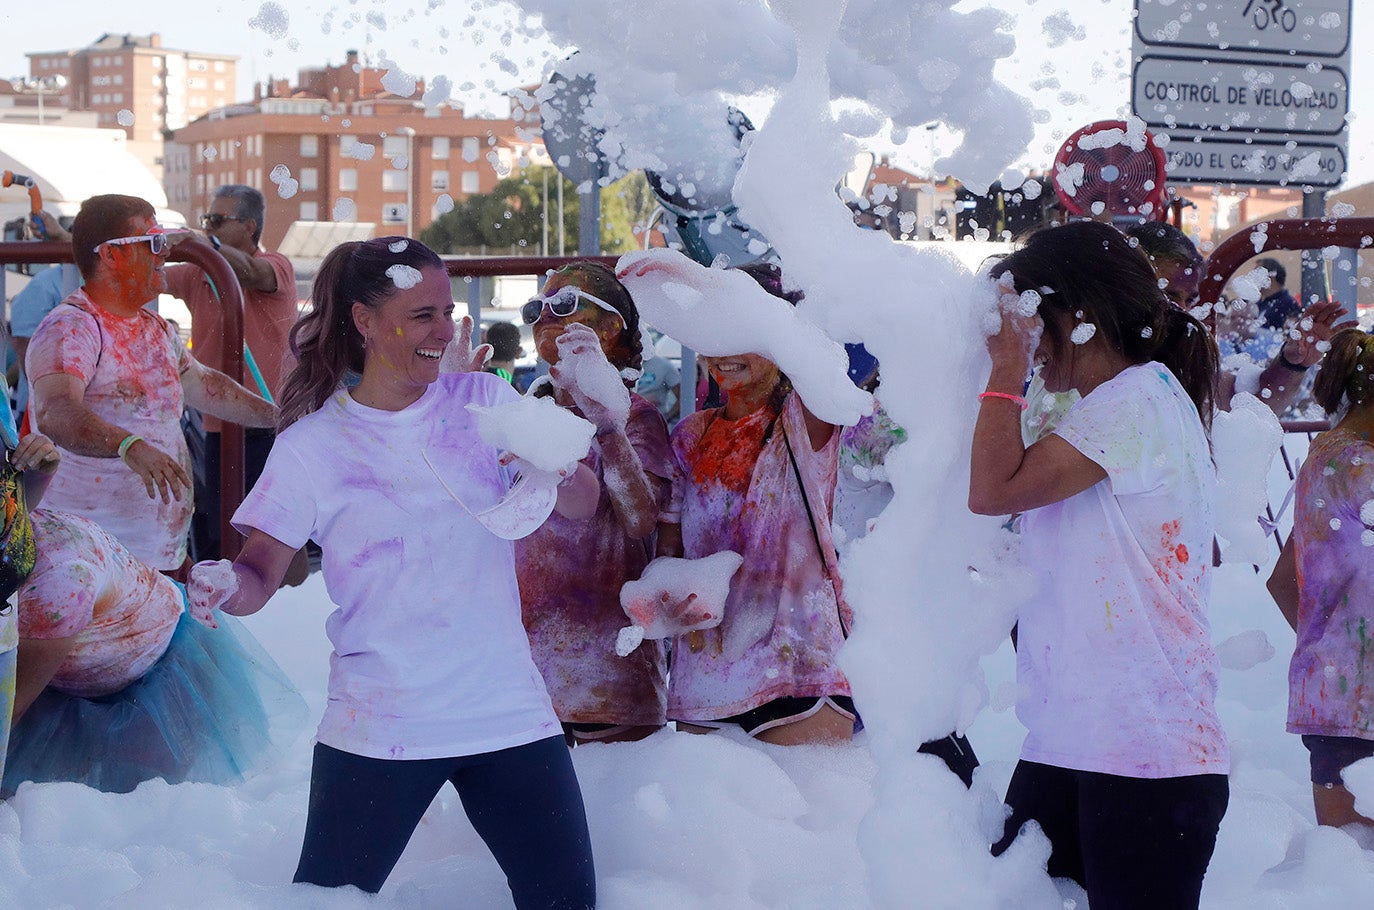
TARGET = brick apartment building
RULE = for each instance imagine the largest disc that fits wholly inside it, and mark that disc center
(344, 149)
(162, 88)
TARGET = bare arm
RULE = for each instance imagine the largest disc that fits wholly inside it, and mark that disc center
(21, 348)
(213, 392)
(59, 401)
(816, 429)
(37, 458)
(632, 491)
(1283, 583)
(578, 494)
(253, 273)
(259, 569)
(669, 539)
(37, 663)
(1281, 380)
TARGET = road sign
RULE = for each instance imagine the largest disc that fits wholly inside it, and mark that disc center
(1248, 91)
(1213, 160)
(1306, 28)
(1259, 96)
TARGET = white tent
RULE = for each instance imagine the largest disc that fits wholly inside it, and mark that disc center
(71, 164)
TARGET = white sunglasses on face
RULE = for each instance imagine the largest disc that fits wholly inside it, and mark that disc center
(156, 238)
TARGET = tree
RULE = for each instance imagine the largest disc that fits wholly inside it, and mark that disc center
(511, 216)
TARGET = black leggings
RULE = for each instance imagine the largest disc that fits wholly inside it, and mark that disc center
(1130, 842)
(524, 802)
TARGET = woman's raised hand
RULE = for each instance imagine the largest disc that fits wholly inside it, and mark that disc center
(592, 382)
(460, 356)
(1014, 344)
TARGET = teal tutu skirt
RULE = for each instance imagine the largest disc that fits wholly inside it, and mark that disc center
(214, 708)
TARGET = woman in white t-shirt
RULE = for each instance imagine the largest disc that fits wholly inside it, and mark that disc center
(1124, 764)
(431, 678)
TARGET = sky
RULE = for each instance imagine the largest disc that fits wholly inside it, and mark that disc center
(1072, 58)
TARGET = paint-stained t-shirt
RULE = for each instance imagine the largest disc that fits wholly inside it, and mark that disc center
(1114, 655)
(571, 572)
(1331, 677)
(131, 368)
(736, 489)
(85, 584)
(430, 657)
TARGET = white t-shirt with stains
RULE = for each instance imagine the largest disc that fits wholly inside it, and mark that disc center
(130, 367)
(1114, 655)
(430, 657)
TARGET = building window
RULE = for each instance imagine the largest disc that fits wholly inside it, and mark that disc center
(348, 179)
(219, 85)
(310, 146)
(118, 97)
(118, 78)
(438, 180)
(310, 211)
(470, 148)
(219, 66)
(346, 144)
(394, 213)
(117, 61)
(310, 178)
(438, 149)
(44, 63)
(200, 184)
(393, 146)
(471, 182)
(393, 181)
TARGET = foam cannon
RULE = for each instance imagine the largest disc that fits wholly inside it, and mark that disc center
(1112, 170)
(9, 179)
(697, 213)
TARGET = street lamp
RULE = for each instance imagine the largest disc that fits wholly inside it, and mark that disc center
(39, 84)
(409, 133)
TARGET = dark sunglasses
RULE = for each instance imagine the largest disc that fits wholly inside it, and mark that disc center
(215, 219)
(563, 304)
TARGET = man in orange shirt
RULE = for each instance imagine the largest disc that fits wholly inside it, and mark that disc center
(234, 227)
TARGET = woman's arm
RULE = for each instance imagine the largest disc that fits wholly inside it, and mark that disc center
(1283, 583)
(632, 491)
(669, 539)
(242, 587)
(36, 664)
(578, 494)
(37, 457)
(817, 430)
(1005, 476)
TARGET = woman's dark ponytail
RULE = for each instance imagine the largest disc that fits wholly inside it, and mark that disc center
(1191, 355)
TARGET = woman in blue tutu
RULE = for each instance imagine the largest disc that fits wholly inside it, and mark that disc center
(118, 684)
(114, 683)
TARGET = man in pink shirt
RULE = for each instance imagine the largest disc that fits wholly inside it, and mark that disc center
(109, 382)
(234, 226)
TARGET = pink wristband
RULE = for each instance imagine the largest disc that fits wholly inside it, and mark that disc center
(1020, 402)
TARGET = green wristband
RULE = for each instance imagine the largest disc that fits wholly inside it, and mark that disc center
(126, 443)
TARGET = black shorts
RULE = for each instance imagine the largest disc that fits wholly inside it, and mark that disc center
(1333, 754)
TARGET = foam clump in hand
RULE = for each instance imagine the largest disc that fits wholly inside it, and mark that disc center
(595, 384)
(724, 312)
(676, 596)
(536, 430)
